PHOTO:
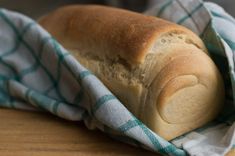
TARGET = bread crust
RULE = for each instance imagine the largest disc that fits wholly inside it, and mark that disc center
(115, 32)
(172, 81)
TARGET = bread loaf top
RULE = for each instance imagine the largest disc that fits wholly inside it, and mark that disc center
(159, 70)
(117, 33)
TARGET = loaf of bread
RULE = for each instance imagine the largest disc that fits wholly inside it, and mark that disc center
(159, 70)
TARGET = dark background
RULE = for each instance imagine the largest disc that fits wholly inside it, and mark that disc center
(37, 8)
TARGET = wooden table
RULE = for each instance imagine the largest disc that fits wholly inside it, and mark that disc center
(39, 134)
(25, 133)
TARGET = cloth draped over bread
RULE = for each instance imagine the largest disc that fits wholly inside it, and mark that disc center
(37, 73)
(149, 64)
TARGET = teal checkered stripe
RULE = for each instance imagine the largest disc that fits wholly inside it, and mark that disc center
(217, 32)
(186, 13)
(205, 27)
(38, 73)
(224, 43)
(41, 81)
(21, 47)
(109, 110)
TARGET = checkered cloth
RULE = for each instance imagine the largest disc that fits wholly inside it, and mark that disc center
(37, 73)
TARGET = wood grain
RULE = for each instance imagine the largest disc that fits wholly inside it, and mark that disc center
(39, 134)
(25, 133)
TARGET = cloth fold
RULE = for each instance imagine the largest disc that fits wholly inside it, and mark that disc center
(37, 73)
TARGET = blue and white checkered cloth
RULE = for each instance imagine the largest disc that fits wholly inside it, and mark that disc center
(37, 73)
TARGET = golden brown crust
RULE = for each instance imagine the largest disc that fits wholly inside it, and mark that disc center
(172, 83)
(116, 32)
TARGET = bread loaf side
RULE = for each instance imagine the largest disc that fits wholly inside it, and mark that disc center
(159, 70)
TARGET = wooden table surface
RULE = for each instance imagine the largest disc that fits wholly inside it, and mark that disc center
(25, 133)
(39, 134)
